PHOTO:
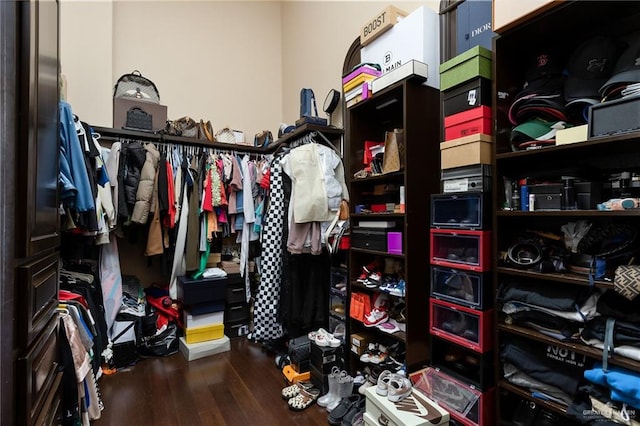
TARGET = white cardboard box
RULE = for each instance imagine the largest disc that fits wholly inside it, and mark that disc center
(202, 320)
(414, 410)
(416, 36)
(193, 351)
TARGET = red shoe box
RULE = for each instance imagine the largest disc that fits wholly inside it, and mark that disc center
(461, 249)
(465, 326)
(470, 122)
(466, 404)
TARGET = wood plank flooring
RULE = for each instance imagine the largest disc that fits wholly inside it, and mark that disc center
(238, 387)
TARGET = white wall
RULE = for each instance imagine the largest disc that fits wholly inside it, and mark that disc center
(237, 63)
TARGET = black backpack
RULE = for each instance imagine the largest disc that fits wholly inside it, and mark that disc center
(135, 86)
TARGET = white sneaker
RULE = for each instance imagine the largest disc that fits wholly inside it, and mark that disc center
(375, 317)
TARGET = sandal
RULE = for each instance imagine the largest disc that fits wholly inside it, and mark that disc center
(304, 399)
(293, 390)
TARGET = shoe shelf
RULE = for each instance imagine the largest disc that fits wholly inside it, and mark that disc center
(377, 252)
(567, 278)
(414, 108)
(568, 213)
(524, 393)
(577, 347)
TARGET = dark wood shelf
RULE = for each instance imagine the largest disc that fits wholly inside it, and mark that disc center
(376, 215)
(332, 134)
(568, 213)
(550, 405)
(377, 253)
(395, 176)
(581, 348)
(533, 154)
(557, 277)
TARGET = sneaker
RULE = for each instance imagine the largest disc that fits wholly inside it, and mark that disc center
(398, 289)
(368, 353)
(373, 280)
(379, 356)
(375, 317)
(389, 326)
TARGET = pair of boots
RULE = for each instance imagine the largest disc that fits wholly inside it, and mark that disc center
(340, 386)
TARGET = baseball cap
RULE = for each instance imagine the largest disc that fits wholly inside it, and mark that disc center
(535, 133)
(284, 129)
(627, 69)
(589, 67)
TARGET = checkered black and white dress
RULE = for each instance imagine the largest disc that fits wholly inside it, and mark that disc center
(265, 314)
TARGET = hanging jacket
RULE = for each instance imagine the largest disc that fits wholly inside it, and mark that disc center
(132, 158)
(144, 192)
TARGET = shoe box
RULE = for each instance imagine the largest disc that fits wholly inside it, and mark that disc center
(467, 327)
(472, 178)
(414, 410)
(460, 248)
(369, 238)
(466, 288)
(360, 341)
(465, 403)
(192, 291)
(464, 364)
(461, 211)
(474, 121)
(468, 95)
(193, 351)
(291, 376)
(325, 358)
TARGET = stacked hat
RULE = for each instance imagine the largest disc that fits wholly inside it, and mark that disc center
(589, 67)
(535, 133)
(625, 73)
(542, 93)
(538, 111)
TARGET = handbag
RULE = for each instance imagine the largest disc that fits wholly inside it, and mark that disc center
(185, 126)
(299, 349)
(393, 159)
(263, 139)
(134, 85)
(226, 135)
(138, 119)
(205, 131)
(627, 281)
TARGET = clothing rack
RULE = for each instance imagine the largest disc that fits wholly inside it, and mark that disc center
(334, 134)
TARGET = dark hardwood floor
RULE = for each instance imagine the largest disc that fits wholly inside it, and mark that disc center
(238, 387)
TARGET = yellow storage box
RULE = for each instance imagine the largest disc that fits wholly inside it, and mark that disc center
(204, 333)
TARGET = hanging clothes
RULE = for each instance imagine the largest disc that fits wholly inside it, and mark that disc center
(266, 323)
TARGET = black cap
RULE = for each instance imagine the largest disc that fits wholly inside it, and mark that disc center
(627, 69)
(543, 65)
(589, 67)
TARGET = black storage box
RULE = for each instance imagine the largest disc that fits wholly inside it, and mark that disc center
(470, 94)
(614, 117)
(465, 288)
(588, 194)
(460, 211)
(192, 291)
(474, 178)
(369, 238)
(319, 380)
(236, 328)
(463, 364)
(300, 366)
(206, 307)
(548, 196)
(325, 358)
